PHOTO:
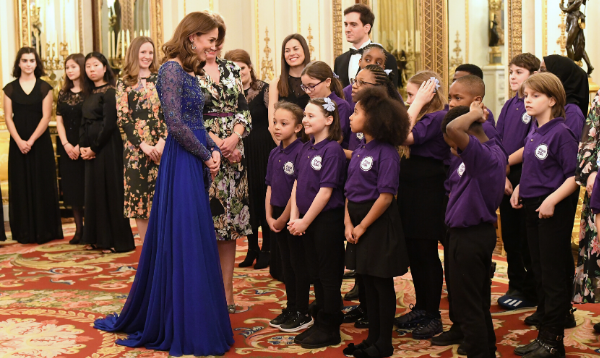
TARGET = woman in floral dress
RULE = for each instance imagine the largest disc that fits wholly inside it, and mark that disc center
(587, 274)
(140, 115)
(227, 117)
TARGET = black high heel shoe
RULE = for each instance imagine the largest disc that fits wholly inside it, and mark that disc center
(76, 238)
(249, 260)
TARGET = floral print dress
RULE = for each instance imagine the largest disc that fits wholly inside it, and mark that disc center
(587, 274)
(225, 106)
(141, 118)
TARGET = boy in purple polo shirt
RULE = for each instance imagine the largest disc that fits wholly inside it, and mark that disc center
(317, 214)
(287, 126)
(548, 179)
(513, 126)
(470, 217)
(376, 247)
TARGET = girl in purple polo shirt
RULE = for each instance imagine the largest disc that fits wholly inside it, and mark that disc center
(547, 180)
(376, 247)
(317, 214)
(421, 197)
(287, 128)
(372, 54)
(318, 81)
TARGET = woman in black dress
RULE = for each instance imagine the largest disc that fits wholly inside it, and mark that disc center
(102, 148)
(295, 55)
(258, 144)
(68, 121)
(33, 195)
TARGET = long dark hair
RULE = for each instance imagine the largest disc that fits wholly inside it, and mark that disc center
(131, 70)
(109, 75)
(240, 55)
(79, 59)
(321, 71)
(39, 65)
(179, 46)
(283, 87)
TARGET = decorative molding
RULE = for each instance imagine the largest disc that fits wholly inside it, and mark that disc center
(456, 60)
(544, 28)
(266, 67)
(434, 33)
(309, 38)
(562, 39)
(184, 7)
(80, 25)
(299, 13)
(336, 7)
(257, 45)
(157, 25)
(211, 5)
(467, 31)
(23, 23)
(515, 30)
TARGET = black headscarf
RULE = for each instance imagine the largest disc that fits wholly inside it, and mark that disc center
(573, 78)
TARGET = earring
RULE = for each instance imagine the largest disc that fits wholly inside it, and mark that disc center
(193, 46)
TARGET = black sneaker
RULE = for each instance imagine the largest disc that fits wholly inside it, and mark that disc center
(362, 322)
(354, 315)
(411, 319)
(429, 329)
(297, 322)
(282, 318)
(535, 319)
(570, 322)
(450, 337)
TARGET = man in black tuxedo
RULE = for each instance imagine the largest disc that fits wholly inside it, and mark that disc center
(358, 22)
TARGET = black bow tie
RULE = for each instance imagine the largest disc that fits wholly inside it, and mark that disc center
(355, 51)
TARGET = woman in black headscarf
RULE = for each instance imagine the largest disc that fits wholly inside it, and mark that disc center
(575, 82)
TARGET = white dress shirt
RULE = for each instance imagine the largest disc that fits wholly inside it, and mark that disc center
(353, 64)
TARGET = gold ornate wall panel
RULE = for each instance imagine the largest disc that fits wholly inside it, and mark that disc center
(157, 25)
(337, 27)
(433, 16)
(23, 24)
(515, 28)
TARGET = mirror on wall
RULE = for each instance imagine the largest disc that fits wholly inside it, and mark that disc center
(396, 28)
(118, 22)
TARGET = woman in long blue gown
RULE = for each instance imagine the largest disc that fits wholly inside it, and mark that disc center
(177, 301)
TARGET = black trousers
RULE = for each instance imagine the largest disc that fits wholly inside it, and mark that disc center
(427, 273)
(470, 258)
(324, 250)
(381, 303)
(297, 280)
(362, 292)
(552, 262)
(514, 237)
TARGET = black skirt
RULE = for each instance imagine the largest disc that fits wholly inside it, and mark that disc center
(421, 198)
(381, 250)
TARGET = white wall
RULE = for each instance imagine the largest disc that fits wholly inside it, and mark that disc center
(8, 49)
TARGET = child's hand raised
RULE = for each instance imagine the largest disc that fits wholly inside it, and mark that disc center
(426, 92)
(479, 108)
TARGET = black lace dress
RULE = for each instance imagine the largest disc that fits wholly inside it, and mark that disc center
(296, 94)
(105, 226)
(72, 172)
(32, 191)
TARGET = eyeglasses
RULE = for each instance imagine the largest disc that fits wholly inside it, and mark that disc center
(310, 88)
(360, 83)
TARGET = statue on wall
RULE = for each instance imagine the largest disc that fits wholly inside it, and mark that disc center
(494, 36)
(575, 45)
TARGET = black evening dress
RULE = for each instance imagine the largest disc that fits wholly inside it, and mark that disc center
(296, 94)
(32, 190)
(72, 172)
(105, 227)
(258, 145)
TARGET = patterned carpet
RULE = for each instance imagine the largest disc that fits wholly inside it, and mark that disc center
(51, 294)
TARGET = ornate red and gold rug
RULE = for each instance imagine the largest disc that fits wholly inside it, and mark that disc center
(51, 294)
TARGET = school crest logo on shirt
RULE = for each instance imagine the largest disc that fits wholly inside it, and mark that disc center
(461, 169)
(366, 164)
(288, 168)
(526, 118)
(315, 163)
(360, 135)
(541, 152)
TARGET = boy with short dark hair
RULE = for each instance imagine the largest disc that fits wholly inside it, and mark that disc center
(476, 191)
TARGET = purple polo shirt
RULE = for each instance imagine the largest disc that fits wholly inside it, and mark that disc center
(455, 161)
(513, 124)
(280, 172)
(348, 96)
(344, 112)
(479, 189)
(321, 165)
(595, 199)
(429, 140)
(374, 169)
(549, 158)
(574, 119)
